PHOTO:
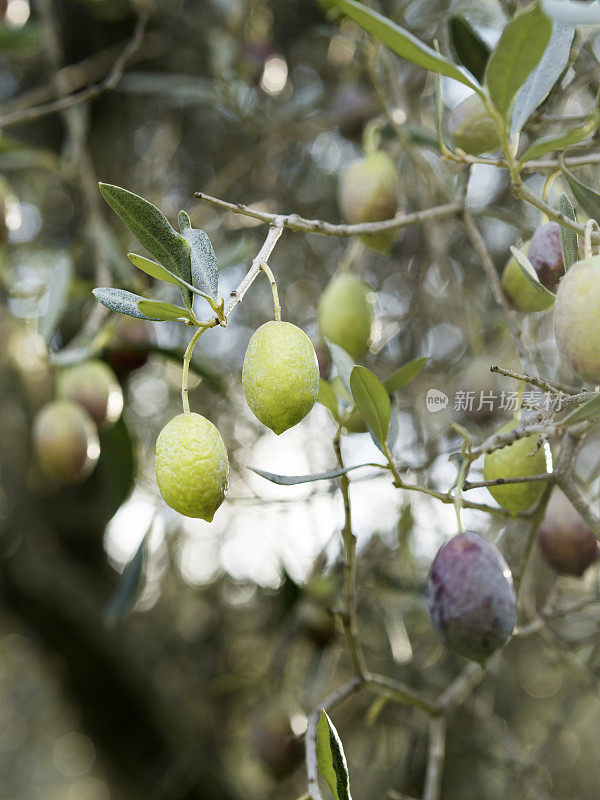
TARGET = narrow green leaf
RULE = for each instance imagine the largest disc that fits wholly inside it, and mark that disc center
(204, 264)
(528, 270)
(161, 273)
(398, 379)
(521, 46)
(327, 398)
(587, 412)
(372, 400)
(164, 311)
(568, 238)
(122, 302)
(402, 42)
(547, 144)
(151, 228)
(153, 269)
(472, 51)
(586, 197)
(292, 480)
(123, 598)
(332, 759)
(343, 363)
(540, 81)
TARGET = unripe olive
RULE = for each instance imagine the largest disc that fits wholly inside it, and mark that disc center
(519, 290)
(280, 375)
(274, 743)
(65, 441)
(28, 356)
(470, 596)
(566, 541)
(521, 459)
(346, 312)
(471, 128)
(545, 255)
(192, 467)
(95, 387)
(368, 192)
(577, 318)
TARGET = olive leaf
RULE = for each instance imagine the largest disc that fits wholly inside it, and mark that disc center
(587, 412)
(528, 270)
(372, 400)
(568, 238)
(400, 377)
(167, 312)
(588, 198)
(327, 398)
(292, 480)
(343, 363)
(402, 42)
(472, 51)
(204, 264)
(572, 13)
(393, 432)
(331, 758)
(122, 301)
(547, 144)
(161, 273)
(538, 84)
(521, 46)
(152, 229)
(126, 593)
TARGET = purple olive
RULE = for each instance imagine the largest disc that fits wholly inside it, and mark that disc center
(545, 255)
(470, 596)
(566, 541)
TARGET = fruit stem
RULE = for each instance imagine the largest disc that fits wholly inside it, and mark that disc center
(187, 357)
(546, 191)
(587, 237)
(276, 306)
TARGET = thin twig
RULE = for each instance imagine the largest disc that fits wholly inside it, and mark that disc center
(296, 223)
(435, 759)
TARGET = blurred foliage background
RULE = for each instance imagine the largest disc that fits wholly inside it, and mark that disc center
(199, 690)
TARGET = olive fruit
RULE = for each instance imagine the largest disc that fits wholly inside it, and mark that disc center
(95, 387)
(522, 295)
(192, 468)
(545, 255)
(521, 459)
(65, 441)
(471, 128)
(470, 596)
(280, 375)
(368, 192)
(346, 313)
(577, 318)
(566, 541)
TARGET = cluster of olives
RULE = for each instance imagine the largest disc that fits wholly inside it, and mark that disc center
(280, 378)
(575, 296)
(65, 430)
